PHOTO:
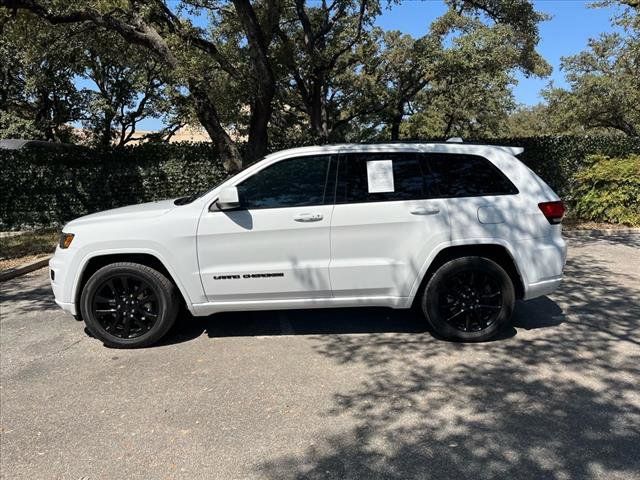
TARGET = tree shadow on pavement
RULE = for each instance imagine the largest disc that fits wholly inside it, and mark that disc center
(579, 240)
(18, 295)
(559, 402)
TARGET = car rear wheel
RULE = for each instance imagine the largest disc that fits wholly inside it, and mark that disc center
(128, 305)
(469, 299)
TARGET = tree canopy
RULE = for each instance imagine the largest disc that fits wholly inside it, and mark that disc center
(255, 73)
(603, 91)
(604, 81)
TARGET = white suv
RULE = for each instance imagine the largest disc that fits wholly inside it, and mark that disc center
(459, 230)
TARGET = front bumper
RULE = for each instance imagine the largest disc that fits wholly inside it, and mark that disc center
(68, 307)
(58, 275)
(545, 287)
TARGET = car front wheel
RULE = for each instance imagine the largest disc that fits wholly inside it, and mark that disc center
(128, 305)
(469, 299)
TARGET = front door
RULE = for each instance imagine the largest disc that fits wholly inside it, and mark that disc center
(385, 224)
(277, 246)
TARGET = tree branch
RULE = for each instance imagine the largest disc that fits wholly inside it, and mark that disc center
(334, 60)
(137, 31)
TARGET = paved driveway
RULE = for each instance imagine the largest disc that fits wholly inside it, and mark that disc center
(358, 394)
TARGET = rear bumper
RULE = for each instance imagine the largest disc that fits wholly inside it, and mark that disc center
(541, 263)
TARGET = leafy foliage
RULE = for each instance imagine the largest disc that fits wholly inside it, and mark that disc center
(37, 93)
(43, 188)
(604, 81)
(557, 158)
(529, 121)
(608, 189)
(54, 76)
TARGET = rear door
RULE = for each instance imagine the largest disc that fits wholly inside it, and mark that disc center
(385, 224)
(277, 245)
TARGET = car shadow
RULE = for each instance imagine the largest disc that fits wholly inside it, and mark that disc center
(295, 322)
(539, 313)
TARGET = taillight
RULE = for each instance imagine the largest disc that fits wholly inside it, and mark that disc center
(553, 211)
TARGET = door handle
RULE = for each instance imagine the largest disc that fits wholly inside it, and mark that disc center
(308, 217)
(424, 211)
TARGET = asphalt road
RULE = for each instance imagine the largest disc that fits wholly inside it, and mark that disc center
(344, 394)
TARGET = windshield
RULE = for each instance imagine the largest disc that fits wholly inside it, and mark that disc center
(194, 196)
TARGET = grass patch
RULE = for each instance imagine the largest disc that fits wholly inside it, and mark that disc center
(38, 242)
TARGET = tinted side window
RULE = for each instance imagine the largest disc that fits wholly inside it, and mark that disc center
(353, 185)
(290, 183)
(453, 175)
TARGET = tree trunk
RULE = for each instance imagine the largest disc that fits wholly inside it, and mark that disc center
(261, 104)
(208, 117)
(397, 114)
(396, 120)
(395, 127)
(257, 145)
(318, 112)
(315, 115)
(44, 116)
(105, 132)
(449, 127)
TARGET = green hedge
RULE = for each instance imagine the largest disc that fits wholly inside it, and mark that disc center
(608, 189)
(43, 188)
(558, 159)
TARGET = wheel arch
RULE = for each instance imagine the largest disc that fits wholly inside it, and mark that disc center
(494, 251)
(94, 263)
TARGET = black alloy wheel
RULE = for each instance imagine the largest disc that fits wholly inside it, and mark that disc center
(469, 299)
(129, 305)
(126, 306)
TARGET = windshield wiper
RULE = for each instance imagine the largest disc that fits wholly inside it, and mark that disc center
(187, 199)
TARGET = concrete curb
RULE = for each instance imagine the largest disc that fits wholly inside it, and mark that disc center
(29, 267)
(600, 232)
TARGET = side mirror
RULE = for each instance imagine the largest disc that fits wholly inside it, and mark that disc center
(228, 199)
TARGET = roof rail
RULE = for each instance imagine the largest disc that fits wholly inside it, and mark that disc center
(511, 150)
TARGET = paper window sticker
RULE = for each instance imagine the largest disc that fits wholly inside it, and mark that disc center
(380, 176)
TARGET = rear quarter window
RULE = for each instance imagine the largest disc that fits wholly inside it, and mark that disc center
(456, 175)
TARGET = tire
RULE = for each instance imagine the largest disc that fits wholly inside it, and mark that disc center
(128, 305)
(469, 299)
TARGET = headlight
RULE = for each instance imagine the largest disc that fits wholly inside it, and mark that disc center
(66, 239)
